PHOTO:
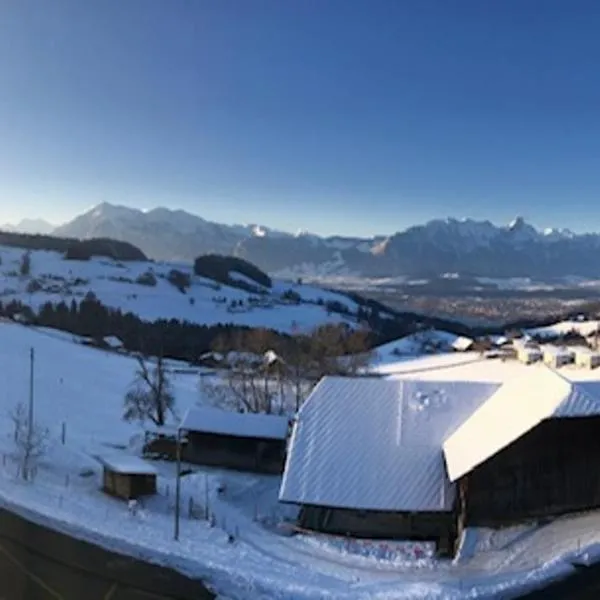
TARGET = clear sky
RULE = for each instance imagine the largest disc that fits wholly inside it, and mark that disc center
(343, 116)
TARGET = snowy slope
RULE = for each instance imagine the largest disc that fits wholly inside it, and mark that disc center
(83, 388)
(416, 344)
(205, 302)
(583, 328)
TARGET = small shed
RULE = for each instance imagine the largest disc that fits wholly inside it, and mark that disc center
(556, 357)
(128, 477)
(587, 358)
(241, 441)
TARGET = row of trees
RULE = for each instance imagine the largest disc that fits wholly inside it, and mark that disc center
(263, 372)
(90, 318)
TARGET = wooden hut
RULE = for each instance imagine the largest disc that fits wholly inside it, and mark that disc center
(240, 441)
(128, 477)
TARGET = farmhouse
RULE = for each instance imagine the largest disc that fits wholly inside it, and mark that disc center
(366, 459)
(241, 441)
(423, 459)
(128, 477)
(528, 452)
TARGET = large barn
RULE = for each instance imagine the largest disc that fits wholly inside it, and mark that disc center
(366, 460)
(422, 459)
(531, 451)
(241, 441)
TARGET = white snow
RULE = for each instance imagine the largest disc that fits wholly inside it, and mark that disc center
(127, 465)
(214, 420)
(376, 444)
(583, 328)
(416, 344)
(205, 302)
(84, 387)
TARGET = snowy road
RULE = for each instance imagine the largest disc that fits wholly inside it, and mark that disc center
(40, 564)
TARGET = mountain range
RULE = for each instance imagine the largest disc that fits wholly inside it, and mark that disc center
(32, 226)
(466, 246)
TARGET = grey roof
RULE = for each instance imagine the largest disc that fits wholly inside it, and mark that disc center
(207, 419)
(376, 444)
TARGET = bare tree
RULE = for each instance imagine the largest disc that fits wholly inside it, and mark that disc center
(31, 440)
(150, 397)
(247, 386)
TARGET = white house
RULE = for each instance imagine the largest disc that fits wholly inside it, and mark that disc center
(587, 358)
(528, 354)
(556, 357)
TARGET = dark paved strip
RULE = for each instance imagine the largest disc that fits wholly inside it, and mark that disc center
(37, 563)
(584, 584)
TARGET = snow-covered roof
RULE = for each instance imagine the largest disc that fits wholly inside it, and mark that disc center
(557, 351)
(585, 351)
(584, 328)
(462, 343)
(376, 444)
(127, 465)
(113, 341)
(517, 407)
(207, 419)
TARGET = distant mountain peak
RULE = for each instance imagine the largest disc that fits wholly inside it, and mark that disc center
(31, 226)
(517, 223)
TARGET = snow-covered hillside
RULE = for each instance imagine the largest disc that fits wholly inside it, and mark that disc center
(119, 285)
(247, 553)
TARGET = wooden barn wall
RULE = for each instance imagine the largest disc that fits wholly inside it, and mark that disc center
(438, 526)
(245, 454)
(551, 470)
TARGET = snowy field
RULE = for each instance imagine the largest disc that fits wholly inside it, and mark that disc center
(205, 302)
(244, 549)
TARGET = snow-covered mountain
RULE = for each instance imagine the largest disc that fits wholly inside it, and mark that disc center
(29, 226)
(464, 246)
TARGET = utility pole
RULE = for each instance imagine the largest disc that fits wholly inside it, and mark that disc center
(27, 457)
(178, 485)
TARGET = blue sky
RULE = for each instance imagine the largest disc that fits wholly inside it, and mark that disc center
(343, 116)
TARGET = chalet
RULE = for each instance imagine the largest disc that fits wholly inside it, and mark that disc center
(422, 459)
(555, 356)
(365, 457)
(128, 477)
(528, 353)
(587, 358)
(240, 441)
